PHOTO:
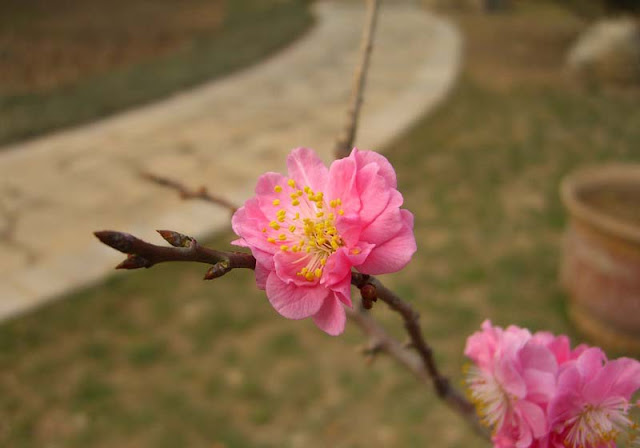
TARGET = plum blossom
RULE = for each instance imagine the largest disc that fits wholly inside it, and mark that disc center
(535, 391)
(308, 230)
(591, 406)
(513, 378)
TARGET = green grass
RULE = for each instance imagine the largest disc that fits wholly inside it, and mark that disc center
(161, 358)
(251, 30)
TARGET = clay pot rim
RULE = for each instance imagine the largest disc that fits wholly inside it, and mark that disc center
(592, 176)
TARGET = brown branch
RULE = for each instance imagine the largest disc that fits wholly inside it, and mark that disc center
(186, 193)
(346, 138)
(420, 361)
(141, 254)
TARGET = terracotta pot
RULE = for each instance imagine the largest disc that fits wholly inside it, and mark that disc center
(601, 255)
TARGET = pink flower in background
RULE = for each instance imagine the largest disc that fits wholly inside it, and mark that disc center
(309, 229)
(535, 391)
(513, 378)
(591, 407)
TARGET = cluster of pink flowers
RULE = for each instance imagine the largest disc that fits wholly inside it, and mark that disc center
(308, 229)
(533, 390)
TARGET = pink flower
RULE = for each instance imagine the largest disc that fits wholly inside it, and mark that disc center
(535, 391)
(309, 229)
(591, 407)
(513, 378)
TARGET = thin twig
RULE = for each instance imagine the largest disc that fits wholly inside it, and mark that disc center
(411, 360)
(141, 254)
(346, 138)
(186, 193)
(422, 365)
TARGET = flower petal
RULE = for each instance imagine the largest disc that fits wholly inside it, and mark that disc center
(394, 254)
(307, 169)
(292, 301)
(342, 185)
(331, 317)
(386, 170)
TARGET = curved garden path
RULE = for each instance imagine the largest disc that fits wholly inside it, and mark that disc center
(56, 190)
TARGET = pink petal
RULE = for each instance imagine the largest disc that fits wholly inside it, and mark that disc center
(266, 194)
(385, 169)
(374, 193)
(541, 385)
(342, 185)
(567, 402)
(292, 301)
(349, 227)
(307, 169)
(535, 418)
(481, 345)
(287, 266)
(342, 291)
(339, 264)
(262, 273)
(248, 222)
(627, 378)
(509, 377)
(538, 357)
(590, 362)
(331, 317)
(385, 227)
(620, 377)
(394, 254)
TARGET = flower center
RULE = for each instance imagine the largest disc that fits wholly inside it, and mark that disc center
(490, 399)
(305, 225)
(599, 425)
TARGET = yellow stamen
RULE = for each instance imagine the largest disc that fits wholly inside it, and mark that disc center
(291, 183)
(284, 248)
(282, 237)
(276, 202)
(277, 188)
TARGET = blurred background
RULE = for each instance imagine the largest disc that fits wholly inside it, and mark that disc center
(160, 358)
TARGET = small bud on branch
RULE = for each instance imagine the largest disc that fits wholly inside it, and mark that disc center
(217, 270)
(176, 239)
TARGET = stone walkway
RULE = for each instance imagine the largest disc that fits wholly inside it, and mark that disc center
(56, 190)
